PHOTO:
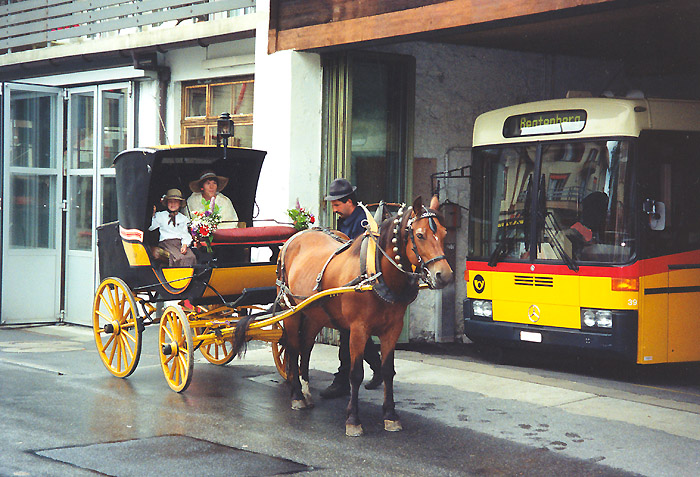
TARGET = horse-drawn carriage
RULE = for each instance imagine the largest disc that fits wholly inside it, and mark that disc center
(206, 299)
(230, 297)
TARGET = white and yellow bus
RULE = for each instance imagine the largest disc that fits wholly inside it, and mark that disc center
(584, 228)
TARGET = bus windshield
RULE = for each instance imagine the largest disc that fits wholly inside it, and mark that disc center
(564, 202)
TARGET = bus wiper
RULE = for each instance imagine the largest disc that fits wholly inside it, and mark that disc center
(552, 232)
(496, 254)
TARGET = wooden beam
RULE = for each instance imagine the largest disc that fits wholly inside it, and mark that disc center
(429, 18)
(273, 33)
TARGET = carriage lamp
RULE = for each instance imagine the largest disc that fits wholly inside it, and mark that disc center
(224, 130)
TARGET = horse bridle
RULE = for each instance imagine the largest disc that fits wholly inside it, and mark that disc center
(431, 216)
(421, 269)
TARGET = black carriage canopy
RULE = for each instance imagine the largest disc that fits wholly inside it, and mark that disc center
(145, 174)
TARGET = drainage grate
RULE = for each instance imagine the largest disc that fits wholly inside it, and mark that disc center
(172, 456)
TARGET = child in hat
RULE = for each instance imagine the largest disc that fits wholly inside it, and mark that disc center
(174, 236)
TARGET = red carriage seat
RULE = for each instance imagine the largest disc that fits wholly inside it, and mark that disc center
(271, 235)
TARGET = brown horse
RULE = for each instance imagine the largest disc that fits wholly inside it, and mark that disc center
(315, 260)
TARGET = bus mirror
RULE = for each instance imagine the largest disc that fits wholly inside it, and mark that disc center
(656, 211)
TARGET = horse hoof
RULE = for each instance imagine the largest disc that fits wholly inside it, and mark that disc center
(392, 426)
(352, 430)
(298, 405)
(306, 393)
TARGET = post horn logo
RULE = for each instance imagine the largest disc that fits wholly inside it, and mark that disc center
(533, 313)
(479, 284)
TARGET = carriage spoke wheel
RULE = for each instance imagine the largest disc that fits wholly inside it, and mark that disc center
(176, 351)
(117, 327)
(219, 351)
(279, 354)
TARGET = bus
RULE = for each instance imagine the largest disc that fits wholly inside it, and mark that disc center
(584, 228)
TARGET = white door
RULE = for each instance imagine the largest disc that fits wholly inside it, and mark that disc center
(32, 162)
(97, 131)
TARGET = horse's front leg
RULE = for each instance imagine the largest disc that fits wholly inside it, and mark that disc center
(353, 427)
(388, 345)
(391, 419)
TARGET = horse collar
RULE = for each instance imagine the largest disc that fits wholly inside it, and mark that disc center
(408, 293)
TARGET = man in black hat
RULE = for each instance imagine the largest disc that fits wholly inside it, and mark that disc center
(344, 203)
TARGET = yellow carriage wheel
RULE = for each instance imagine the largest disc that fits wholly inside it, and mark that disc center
(176, 350)
(279, 354)
(117, 327)
(218, 351)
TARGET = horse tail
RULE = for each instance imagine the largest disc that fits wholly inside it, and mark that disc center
(240, 343)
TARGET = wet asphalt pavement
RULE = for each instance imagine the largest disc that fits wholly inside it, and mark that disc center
(463, 414)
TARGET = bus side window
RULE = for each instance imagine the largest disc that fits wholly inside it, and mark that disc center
(672, 176)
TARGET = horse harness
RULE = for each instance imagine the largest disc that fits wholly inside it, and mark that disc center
(370, 260)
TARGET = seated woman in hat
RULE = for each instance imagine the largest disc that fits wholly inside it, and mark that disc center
(174, 237)
(206, 191)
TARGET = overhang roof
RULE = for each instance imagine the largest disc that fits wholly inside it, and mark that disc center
(650, 36)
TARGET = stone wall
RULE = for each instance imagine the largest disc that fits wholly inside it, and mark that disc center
(454, 84)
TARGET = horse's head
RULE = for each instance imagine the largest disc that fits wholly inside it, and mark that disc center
(422, 242)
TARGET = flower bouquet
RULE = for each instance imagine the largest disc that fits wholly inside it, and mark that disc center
(204, 224)
(301, 218)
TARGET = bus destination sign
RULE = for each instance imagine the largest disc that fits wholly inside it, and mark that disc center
(546, 122)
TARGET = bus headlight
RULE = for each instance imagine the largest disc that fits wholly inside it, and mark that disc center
(482, 308)
(593, 318)
(588, 317)
(604, 319)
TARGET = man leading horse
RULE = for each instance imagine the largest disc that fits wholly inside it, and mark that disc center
(343, 199)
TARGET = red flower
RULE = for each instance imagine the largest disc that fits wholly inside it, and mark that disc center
(312, 219)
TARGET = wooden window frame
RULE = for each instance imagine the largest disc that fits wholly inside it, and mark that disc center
(208, 121)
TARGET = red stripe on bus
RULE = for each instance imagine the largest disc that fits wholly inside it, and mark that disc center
(650, 266)
(626, 271)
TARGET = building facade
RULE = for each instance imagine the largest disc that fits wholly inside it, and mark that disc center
(383, 93)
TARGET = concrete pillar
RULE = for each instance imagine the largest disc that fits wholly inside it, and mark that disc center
(287, 124)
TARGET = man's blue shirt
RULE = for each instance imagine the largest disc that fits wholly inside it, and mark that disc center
(352, 225)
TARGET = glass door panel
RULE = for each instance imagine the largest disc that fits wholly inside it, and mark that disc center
(380, 153)
(108, 203)
(99, 126)
(80, 213)
(368, 124)
(31, 231)
(82, 131)
(80, 226)
(114, 125)
(33, 211)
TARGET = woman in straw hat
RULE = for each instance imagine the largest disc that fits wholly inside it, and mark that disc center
(206, 196)
(174, 236)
